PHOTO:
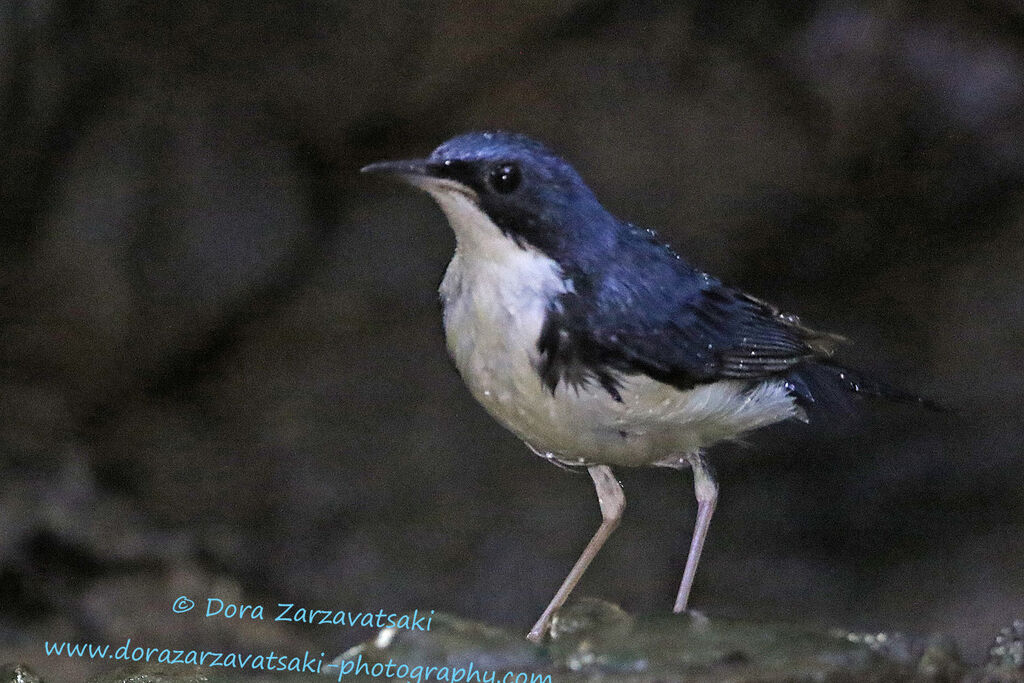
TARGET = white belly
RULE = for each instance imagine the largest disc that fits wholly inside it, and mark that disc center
(493, 314)
(495, 295)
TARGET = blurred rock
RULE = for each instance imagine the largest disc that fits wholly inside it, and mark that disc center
(1007, 652)
(168, 673)
(595, 640)
(18, 673)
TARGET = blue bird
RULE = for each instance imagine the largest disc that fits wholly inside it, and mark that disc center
(595, 343)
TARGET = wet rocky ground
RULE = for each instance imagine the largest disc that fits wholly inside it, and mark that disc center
(593, 640)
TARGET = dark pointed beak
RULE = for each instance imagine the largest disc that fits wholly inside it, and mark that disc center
(409, 167)
(430, 177)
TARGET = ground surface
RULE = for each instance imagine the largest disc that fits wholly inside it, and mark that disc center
(592, 640)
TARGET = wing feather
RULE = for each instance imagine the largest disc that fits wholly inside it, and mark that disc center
(694, 331)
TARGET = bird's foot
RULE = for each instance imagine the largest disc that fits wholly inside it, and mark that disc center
(537, 633)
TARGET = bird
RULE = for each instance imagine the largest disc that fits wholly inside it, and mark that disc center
(599, 346)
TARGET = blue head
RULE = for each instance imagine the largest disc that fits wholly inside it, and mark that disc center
(532, 196)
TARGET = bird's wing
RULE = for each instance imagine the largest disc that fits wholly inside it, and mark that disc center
(678, 326)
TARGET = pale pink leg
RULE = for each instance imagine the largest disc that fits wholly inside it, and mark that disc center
(706, 489)
(612, 502)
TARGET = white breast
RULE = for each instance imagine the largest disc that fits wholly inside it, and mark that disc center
(495, 295)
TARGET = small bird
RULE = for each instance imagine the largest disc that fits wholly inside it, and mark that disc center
(595, 343)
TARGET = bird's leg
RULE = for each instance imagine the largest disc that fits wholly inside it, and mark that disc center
(613, 502)
(706, 489)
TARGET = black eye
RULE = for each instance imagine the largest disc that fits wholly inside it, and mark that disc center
(505, 178)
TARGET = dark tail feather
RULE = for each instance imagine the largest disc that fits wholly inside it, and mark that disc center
(835, 386)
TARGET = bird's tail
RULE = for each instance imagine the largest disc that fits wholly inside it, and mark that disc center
(824, 382)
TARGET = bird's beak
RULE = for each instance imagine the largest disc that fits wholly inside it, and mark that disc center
(421, 175)
(406, 168)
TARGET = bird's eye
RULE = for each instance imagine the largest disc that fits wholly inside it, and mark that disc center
(505, 178)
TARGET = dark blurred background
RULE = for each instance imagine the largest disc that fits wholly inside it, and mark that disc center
(221, 363)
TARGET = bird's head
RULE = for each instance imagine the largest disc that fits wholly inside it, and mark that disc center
(499, 187)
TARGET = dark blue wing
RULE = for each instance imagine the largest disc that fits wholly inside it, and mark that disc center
(649, 312)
